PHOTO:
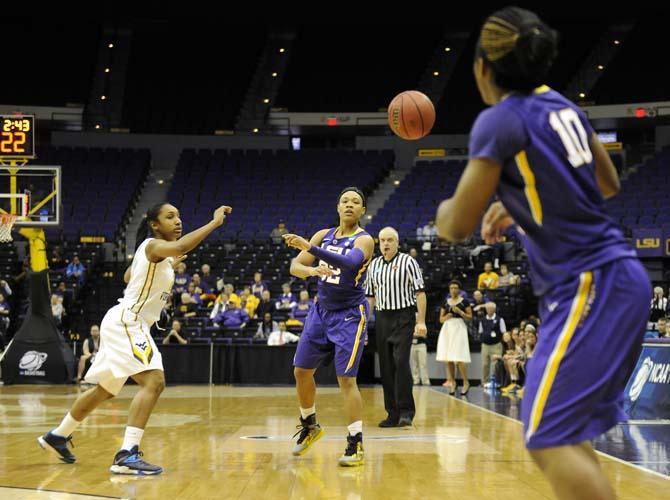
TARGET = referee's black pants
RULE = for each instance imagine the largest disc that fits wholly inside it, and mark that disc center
(394, 331)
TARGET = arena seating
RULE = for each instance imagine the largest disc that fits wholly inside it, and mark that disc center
(297, 187)
(643, 201)
(415, 200)
(99, 186)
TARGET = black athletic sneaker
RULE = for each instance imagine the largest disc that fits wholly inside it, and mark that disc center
(309, 432)
(58, 446)
(353, 455)
(130, 462)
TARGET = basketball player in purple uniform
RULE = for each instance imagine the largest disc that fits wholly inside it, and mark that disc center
(537, 151)
(336, 326)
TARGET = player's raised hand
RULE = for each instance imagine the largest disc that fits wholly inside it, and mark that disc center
(297, 242)
(321, 272)
(178, 260)
(220, 214)
(495, 222)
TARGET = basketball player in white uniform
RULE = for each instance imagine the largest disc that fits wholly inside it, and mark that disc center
(126, 347)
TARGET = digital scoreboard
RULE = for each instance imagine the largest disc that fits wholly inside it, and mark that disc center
(17, 136)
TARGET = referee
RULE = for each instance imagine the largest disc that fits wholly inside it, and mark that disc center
(395, 290)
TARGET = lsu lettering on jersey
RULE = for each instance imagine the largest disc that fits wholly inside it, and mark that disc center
(345, 288)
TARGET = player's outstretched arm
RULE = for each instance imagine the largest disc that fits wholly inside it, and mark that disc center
(458, 216)
(303, 265)
(363, 249)
(158, 250)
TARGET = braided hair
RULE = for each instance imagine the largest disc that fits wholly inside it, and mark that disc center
(519, 47)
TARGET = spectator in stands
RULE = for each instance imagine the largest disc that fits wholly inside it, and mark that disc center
(56, 261)
(499, 366)
(478, 308)
(4, 318)
(286, 301)
(507, 278)
(529, 350)
(533, 320)
(5, 289)
(491, 329)
(531, 342)
(266, 305)
(477, 248)
(20, 279)
(667, 329)
(515, 359)
(488, 279)
(174, 337)
(479, 300)
(181, 280)
(659, 307)
(250, 300)
(76, 269)
(207, 278)
(188, 306)
(57, 309)
(276, 234)
(206, 292)
(90, 348)
(61, 290)
(415, 255)
(302, 307)
(232, 296)
(427, 232)
(234, 317)
(220, 305)
(195, 292)
(452, 344)
(266, 327)
(258, 286)
(282, 336)
(516, 332)
(661, 326)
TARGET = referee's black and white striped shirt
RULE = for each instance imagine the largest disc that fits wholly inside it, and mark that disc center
(394, 284)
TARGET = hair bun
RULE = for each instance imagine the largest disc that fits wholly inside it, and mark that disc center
(535, 50)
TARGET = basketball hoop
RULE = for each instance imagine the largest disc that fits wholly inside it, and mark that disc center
(6, 223)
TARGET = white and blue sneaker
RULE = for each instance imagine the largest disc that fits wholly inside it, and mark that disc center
(58, 446)
(130, 462)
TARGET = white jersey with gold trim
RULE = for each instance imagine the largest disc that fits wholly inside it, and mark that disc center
(149, 287)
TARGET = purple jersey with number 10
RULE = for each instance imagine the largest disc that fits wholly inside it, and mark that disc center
(580, 265)
(548, 184)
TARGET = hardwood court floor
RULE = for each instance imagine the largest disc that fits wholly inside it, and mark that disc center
(234, 442)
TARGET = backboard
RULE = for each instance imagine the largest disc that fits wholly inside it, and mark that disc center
(33, 193)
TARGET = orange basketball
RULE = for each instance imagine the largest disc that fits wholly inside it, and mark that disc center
(411, 115)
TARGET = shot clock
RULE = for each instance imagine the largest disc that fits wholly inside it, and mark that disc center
(17, 138)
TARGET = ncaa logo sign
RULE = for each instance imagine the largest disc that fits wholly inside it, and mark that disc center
(31, 362)
(641, 378)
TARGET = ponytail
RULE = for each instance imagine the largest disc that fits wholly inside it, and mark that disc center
(143, 230)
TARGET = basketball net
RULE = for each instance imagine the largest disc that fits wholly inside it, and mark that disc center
(6, 224)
